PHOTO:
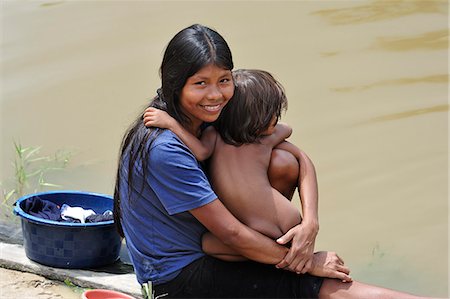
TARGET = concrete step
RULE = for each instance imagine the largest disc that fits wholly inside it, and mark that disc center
(118, 277)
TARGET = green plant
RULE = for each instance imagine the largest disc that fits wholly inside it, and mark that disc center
(30, 170)
(74, 287)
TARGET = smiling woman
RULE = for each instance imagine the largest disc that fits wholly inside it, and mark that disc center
(205, 94)
(162, 192)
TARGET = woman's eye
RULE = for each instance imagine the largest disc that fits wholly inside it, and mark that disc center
(200, 83)
(225, 80)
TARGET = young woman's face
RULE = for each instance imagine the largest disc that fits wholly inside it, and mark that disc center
(206, 93)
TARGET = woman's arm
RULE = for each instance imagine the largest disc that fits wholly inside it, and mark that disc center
(211, 245)
(246, 241)
(303, 235)
(202, 149)
(255, 246)
(282, 131)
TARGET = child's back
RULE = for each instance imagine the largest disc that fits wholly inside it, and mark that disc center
(238, 175)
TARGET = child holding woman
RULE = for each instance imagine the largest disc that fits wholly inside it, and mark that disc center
(240, 159)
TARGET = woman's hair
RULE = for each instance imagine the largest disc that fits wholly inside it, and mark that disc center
(187, 52)
(257, 98)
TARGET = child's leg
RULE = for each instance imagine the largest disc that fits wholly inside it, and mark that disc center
(211, 245)
(283, 172)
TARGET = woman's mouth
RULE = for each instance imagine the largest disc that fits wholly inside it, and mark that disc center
(212, 108)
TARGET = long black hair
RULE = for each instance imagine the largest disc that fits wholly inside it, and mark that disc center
(187, 52)
(257, 98)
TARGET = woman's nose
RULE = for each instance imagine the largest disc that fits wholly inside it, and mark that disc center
(214, 93)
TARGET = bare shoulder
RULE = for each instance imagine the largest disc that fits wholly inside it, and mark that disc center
(289, 147)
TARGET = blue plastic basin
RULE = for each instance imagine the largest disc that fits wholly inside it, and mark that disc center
(65, 244)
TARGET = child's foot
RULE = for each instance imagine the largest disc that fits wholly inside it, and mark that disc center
(330, 265)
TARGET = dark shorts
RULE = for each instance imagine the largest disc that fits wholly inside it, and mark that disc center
(209, 277)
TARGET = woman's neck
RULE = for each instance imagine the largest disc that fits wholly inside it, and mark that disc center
(194, 128)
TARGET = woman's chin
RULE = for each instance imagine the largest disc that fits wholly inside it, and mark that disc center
(210, 116)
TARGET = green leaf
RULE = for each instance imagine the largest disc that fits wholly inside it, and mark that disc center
(25, 149)
(49, 185)
(37, 159)
(18, 148)
(9, 194)
(32, 151)
(34, 173)
(54, 168)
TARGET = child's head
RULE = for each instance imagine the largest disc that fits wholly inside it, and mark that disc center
(254, 109)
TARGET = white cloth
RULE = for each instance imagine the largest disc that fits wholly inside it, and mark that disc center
(75, 213)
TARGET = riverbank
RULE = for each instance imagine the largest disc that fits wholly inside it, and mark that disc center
(17, 284)
(50, 282)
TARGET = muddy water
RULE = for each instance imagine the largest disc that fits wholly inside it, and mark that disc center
(367, 83)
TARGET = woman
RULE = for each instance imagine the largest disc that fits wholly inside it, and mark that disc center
(164, 203)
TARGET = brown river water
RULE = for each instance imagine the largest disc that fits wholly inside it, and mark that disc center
(367, 83)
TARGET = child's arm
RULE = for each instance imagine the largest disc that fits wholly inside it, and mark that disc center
(304, 235)
(202, 149)
(282, 131)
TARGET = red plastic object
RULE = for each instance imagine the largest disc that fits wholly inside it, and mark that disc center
(104, 294)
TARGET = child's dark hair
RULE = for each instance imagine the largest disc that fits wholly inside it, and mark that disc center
(257, 98)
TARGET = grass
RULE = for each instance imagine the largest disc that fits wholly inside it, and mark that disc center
(30, 172)
(74, 287)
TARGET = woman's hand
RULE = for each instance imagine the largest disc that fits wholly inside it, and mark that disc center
(329, 264)
(299, 259)
(154, 117)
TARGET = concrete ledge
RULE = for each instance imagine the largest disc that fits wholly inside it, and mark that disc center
(12, 256)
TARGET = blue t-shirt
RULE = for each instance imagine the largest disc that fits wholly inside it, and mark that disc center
(162, 235)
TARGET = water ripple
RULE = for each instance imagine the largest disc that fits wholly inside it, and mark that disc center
(381, 10)
(329, 54)
(48, 4)
(439, 78)
(409, 113)
(434, 40)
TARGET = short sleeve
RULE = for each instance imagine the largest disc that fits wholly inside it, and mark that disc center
(177, 178)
